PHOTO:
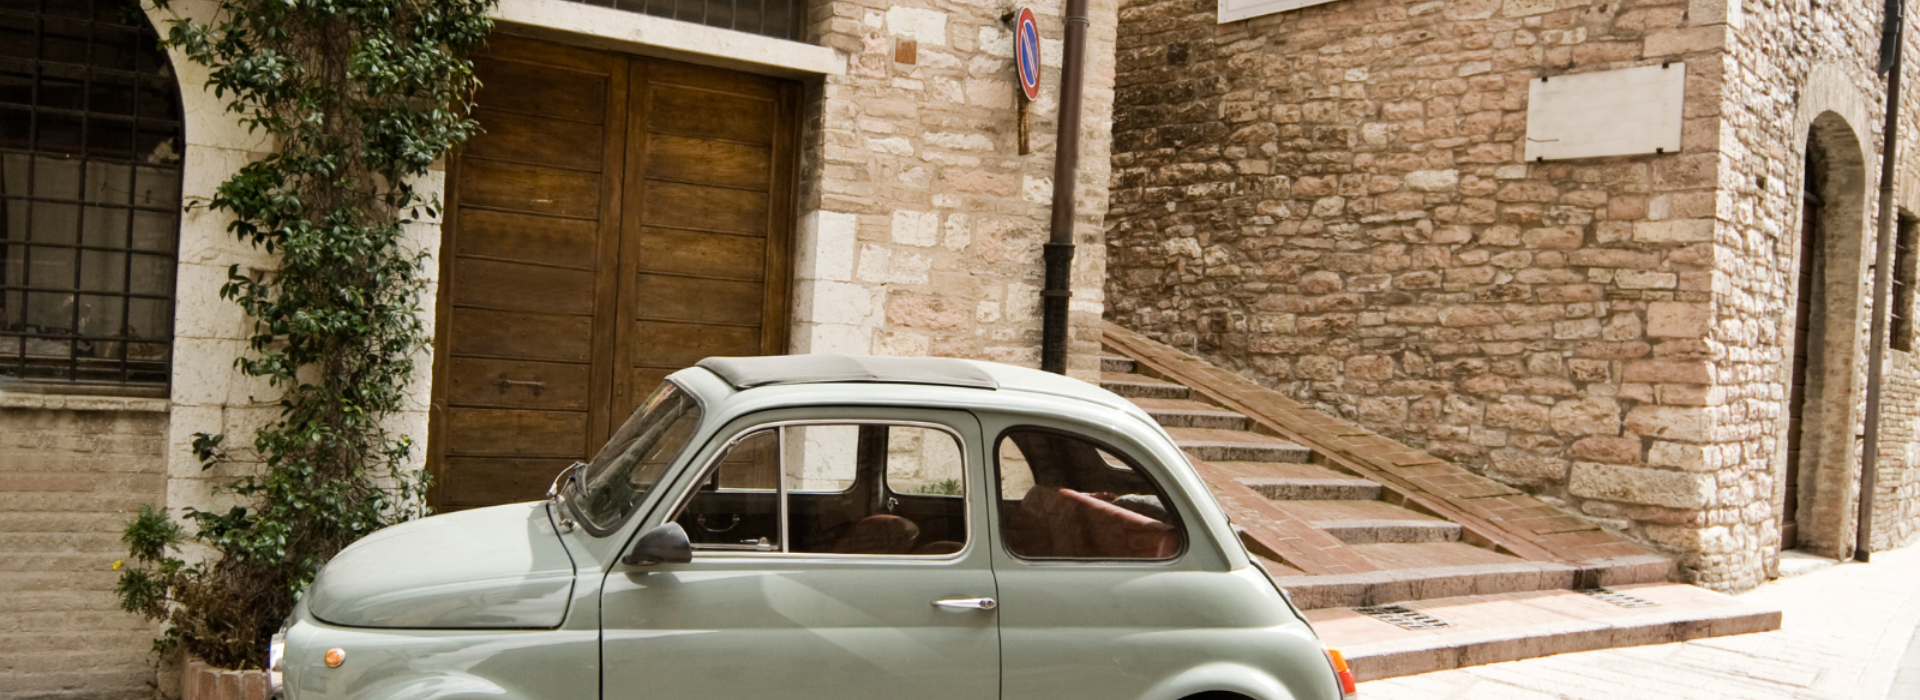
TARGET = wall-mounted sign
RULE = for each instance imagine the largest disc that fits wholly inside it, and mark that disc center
(1026, 52)
(1631, 111)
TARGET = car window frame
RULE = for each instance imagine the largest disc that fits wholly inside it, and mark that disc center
(711, 467)
(684, 451)
(1173, 508)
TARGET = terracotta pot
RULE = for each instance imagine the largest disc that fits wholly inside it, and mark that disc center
(199, 681)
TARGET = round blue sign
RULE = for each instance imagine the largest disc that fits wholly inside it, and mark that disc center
(1026, 52)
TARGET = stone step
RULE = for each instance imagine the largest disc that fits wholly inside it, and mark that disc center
(1425, 570)
(1301, 482)
(1181, 413)
(1118, 365)
(1484, 629)
(1136, 386)
(1213, 445)
(1373, 522)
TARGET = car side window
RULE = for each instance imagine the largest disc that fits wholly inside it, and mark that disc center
(1064, 497)
(847, 488)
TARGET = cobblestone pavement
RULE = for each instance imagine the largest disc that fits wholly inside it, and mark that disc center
(1845, 634)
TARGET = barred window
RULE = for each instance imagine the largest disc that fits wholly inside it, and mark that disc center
(779, 19)
(90, 151)
(1901, 332)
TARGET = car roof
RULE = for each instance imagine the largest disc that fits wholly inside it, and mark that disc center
(854, 375)
(829, 368)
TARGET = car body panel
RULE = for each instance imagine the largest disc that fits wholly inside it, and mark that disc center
(802, 625)
(487, 568)
(794, 625)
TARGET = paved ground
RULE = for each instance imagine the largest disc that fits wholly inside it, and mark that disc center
(1848, 632)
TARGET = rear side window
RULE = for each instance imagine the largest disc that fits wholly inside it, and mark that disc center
(1064, 497)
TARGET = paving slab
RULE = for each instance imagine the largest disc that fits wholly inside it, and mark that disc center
(1847, 632)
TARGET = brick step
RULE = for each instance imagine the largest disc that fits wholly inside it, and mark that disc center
(1181, 413)
(1372, 522)
(1214, 445)
(1137, 386)
(1425, 570)
(1301, 482)
(1118, 365)
(1485, 629)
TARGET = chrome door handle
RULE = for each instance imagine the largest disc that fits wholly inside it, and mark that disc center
(966, 603)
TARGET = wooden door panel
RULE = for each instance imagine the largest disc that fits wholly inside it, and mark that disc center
(619, 219)
(509, 286)
(529, 188)
(707, 114)
(538, 140)
(542, 90)
(489, 333)
(491, 480)
(678, 345)
(701, 254)
(481, 382)
(664, 298)
(683, 206)
(527, 238)
(715, 80)
(709, 162)
(518, 433)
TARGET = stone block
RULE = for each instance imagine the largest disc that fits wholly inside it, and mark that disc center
(1673, 319)
(1639, 485)
(1610, 450)
(1673, 231)
(1592, 415)
(1670, 371)
(1528, 466)
(1672, 422)
(1680, 455)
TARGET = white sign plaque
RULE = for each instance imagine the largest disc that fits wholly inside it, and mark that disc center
(1623, 112)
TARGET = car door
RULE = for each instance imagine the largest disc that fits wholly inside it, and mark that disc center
(1096, 573)
(842, 557)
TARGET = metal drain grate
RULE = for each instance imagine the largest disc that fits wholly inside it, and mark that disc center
(1403, 618)
(1618, 598)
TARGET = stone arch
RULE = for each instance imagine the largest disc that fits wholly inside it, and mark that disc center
(1835, 183)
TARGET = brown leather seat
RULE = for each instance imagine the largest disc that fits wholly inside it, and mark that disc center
(1064, 523)
(878, 534)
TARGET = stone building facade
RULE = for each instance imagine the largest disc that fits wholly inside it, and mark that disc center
(910, 223)
(1336, 200)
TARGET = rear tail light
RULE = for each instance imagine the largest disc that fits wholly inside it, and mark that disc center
(1348, 689)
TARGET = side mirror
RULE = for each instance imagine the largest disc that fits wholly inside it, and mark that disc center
(666, 544)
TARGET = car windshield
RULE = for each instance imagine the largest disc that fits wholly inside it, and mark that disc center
(627, 468)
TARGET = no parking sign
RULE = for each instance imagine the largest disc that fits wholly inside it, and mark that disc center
(1026, 52)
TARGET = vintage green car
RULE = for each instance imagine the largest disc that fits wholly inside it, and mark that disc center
(825, 526)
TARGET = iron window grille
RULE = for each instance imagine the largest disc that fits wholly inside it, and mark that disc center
(779, 19)
(90, 164)
(1900, 331)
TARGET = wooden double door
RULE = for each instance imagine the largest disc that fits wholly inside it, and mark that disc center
(620, 218)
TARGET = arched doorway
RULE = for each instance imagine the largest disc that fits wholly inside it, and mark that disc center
(1824, 391)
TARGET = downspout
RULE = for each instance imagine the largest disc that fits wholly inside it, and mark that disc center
(1058, 252)
(1890, 50)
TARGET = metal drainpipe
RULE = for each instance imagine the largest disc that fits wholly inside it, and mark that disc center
(1882, 280)
(1058, 253)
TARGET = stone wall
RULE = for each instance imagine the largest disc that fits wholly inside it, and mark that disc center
(1333, 201)
(923, 220)
(73, 471)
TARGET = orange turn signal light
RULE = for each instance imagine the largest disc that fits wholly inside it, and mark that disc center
(335, 657)
(1348, 688)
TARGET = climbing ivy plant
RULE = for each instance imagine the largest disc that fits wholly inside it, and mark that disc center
(360, 98)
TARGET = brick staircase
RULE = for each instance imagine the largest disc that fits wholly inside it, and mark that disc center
(1349, 521)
